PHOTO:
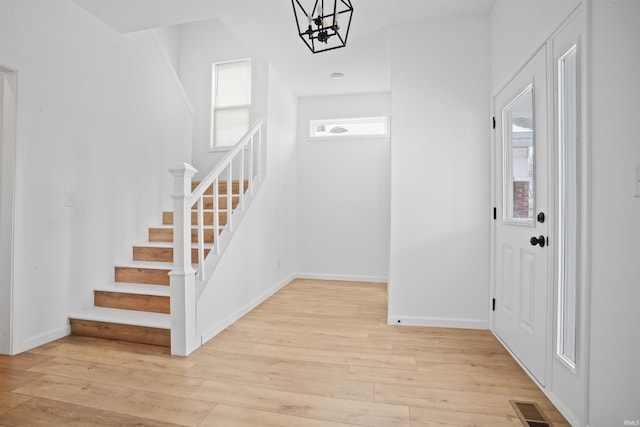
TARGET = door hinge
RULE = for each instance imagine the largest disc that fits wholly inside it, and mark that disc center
(494, 122)
(493, 304)
(495, 213)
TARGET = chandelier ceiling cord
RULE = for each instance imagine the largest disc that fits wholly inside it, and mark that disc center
(326, 26)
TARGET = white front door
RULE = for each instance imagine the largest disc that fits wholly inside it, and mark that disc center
(522, 202)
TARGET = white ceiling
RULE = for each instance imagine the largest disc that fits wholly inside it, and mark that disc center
(268, 27)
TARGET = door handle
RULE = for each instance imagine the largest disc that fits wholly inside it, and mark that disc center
(540, 240)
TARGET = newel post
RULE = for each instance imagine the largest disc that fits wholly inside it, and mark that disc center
(183, 276)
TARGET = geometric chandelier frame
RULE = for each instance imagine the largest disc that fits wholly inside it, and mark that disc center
(325, 26)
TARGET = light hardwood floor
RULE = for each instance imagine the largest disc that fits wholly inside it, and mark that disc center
(318, 353)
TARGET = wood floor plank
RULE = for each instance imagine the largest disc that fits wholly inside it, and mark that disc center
(122, 400)
(228, 344)
(446, 379)
(46, 413)
(135, 378)
(280, 374)
(309, 340)
(22, 361)
(345, 357)
(10, 400)
(11, 379)
(428, 417)
(271, 363)
(455, 356)
(311, 333)
(225, 416)
(459, 401)
(514, 371)
(303, 405)
(151, 362)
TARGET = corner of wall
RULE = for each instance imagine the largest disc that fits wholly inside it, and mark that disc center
(173, 72)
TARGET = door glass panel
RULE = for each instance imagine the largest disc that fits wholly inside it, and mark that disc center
(567, 206)
(518, 154)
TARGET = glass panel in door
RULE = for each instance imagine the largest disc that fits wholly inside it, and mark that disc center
(518, 137)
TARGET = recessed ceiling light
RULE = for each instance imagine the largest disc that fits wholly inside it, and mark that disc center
(336, 76)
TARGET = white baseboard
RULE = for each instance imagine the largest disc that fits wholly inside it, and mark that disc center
(38, 340)
(560, 406)
(341, 277)
(438, 322)
(231, 319)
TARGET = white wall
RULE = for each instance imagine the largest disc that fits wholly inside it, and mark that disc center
(203, 44)
(343, 193)
(261, 257)
(169, 39)
(518, 29)
(99, 115)
(615, 213)
(439, 270)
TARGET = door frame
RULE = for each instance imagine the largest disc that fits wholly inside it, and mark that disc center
(555, 377)
(8, 192)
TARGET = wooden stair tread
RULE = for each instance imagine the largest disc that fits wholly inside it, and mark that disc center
(124, 317)
(207, 210)
(149, 265)
(134, 288)
(168, 245)
(193, 227)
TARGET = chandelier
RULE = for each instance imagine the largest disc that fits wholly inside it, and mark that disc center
(326, 26)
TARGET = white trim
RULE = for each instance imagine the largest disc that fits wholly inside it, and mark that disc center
(18, 195)
(438, 322)
(212, 147)
(342, 277)
(346, 120)
(222, 149)
(43, 338)
(342, 139)
(223, 324)
(10, 129)
(174, 75)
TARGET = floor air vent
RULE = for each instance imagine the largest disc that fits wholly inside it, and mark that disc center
(530, 414)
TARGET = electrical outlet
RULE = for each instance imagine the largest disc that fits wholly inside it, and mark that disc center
(70, 199)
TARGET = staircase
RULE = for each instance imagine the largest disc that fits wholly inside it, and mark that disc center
(136, 306)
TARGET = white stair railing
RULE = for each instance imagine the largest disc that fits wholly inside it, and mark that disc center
(243, 164)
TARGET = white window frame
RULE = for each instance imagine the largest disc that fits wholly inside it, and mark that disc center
(313, 125)
(212, 146)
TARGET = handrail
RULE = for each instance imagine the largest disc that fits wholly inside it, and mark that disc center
(222, 164)
(225, 169)
(184, 279)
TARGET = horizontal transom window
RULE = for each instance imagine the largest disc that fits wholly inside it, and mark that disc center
(362, 126)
